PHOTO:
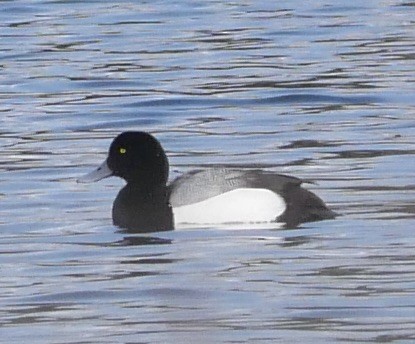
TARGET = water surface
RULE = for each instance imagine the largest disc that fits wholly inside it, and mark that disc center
(319, 90)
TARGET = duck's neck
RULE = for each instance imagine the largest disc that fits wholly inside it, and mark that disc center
(155, 175)
(145, 190)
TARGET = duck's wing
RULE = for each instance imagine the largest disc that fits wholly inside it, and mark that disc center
(197, 186)
(302, 204)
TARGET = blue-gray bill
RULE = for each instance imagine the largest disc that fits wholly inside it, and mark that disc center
(103, 171)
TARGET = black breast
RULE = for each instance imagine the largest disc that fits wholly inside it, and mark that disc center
(142, 211)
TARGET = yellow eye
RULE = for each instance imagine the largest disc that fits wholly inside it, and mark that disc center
(122, 150)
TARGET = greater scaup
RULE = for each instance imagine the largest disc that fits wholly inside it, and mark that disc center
(211, 196)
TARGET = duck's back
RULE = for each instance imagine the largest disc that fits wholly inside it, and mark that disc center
(228, 195)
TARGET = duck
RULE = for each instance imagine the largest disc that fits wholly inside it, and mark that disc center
(211, 196)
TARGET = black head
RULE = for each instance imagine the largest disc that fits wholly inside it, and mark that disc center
(139, 158)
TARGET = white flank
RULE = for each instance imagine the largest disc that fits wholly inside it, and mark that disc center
(243, 205)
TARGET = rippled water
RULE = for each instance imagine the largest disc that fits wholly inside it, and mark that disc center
(321, 90)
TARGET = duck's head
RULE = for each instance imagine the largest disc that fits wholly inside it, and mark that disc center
(136, 157)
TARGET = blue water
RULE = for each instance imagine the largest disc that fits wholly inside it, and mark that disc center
(320, 90)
